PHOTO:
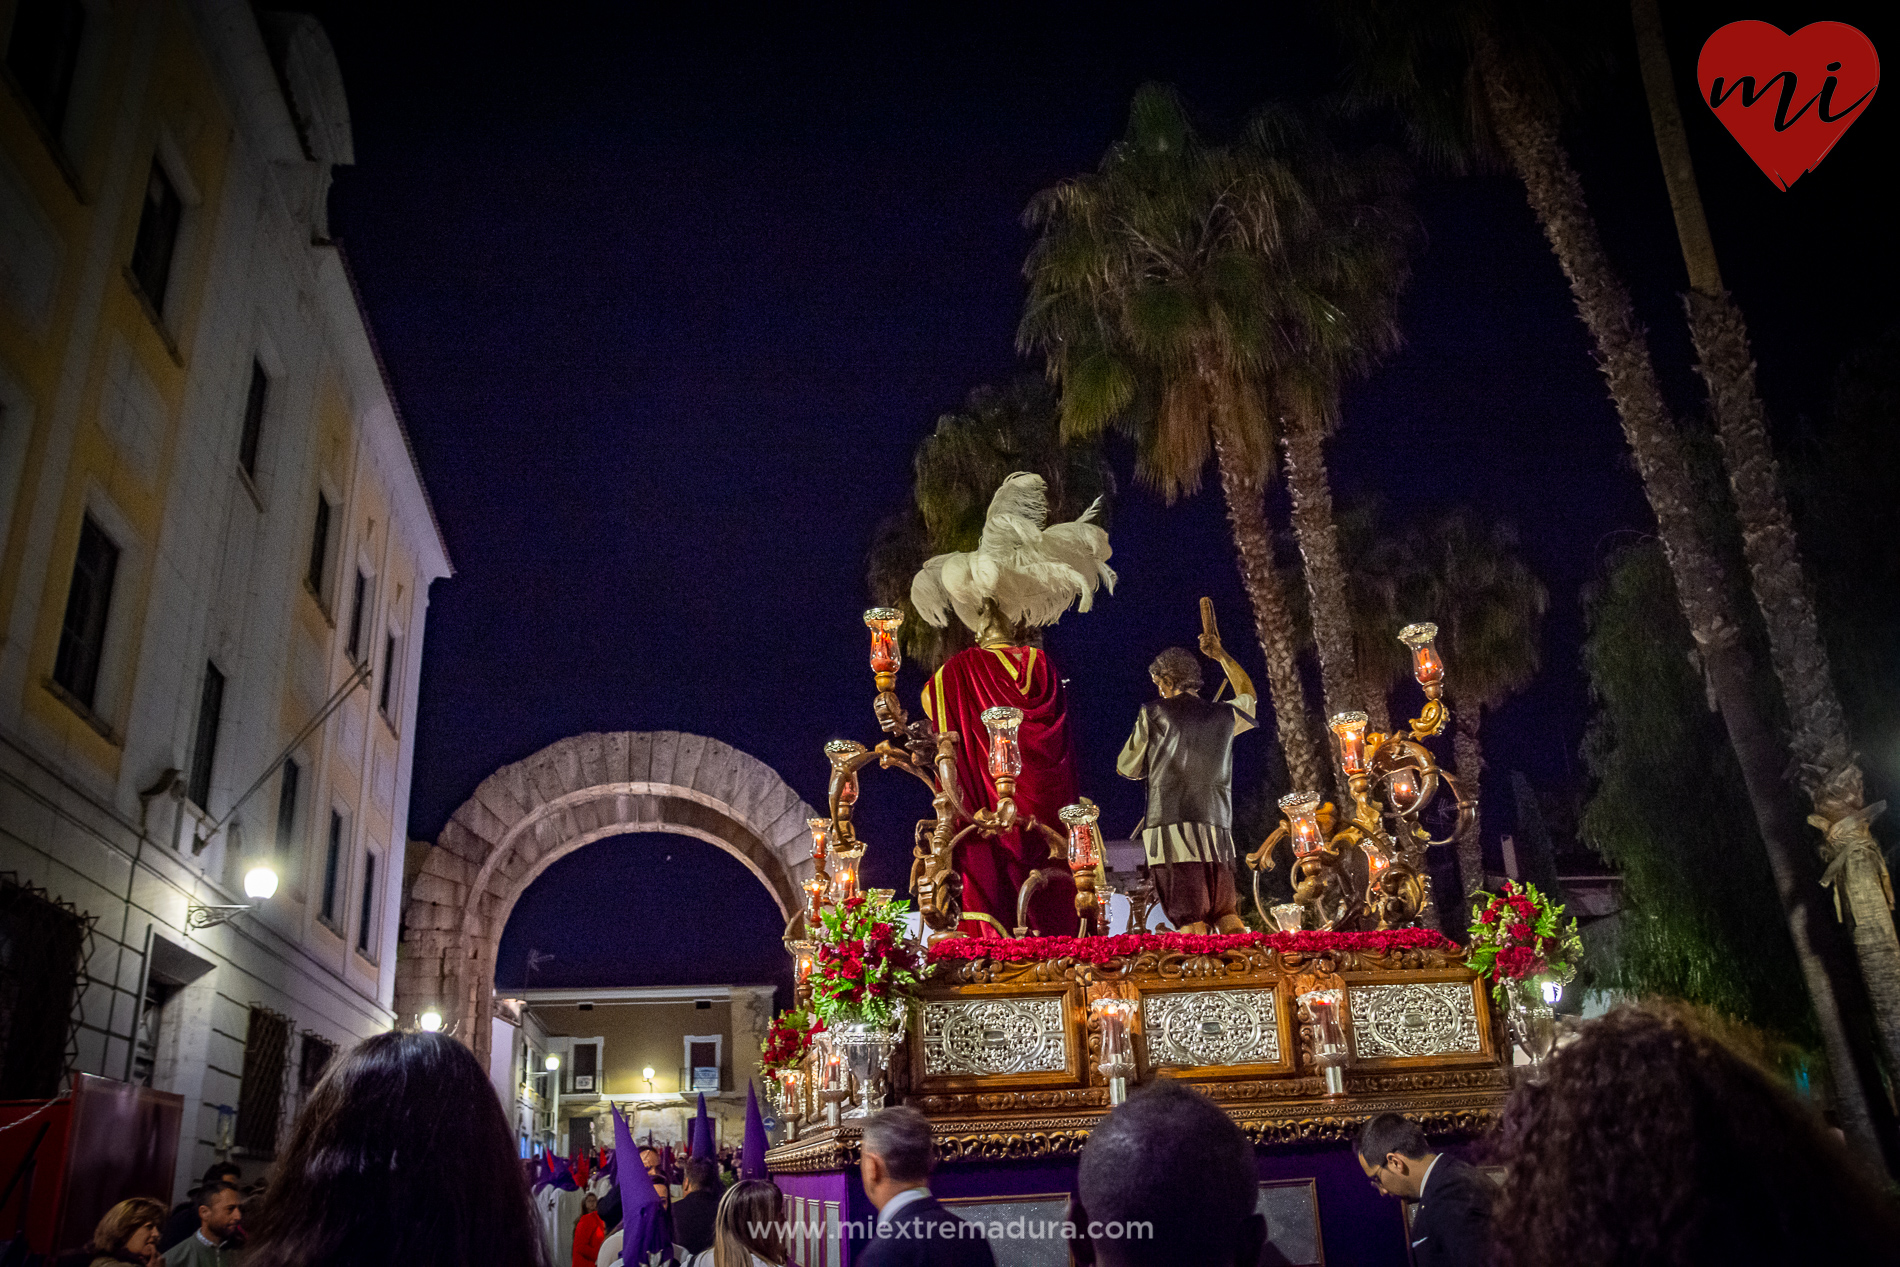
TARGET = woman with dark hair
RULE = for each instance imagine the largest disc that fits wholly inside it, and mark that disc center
(1651, 1141)
(401, 1159)
(749, 1229)
(128, 1234)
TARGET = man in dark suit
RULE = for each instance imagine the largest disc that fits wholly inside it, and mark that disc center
(912, 1230)
(693, 1212)
(1451, 1226)
(1167, 1180)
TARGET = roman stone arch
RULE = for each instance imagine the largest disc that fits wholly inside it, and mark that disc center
(527, 815)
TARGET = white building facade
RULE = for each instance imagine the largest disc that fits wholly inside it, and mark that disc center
(215, 557)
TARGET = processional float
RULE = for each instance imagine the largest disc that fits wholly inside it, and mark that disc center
(1029, 1019)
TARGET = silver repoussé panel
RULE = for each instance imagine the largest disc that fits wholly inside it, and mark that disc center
(1424, 1019)
(967, 1037)
(1211, 1027)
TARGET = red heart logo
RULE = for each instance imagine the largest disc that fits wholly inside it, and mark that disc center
(1787, 98)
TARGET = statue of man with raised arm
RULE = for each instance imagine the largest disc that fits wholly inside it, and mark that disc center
(1183, 746)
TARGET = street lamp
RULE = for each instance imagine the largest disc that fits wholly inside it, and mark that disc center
(647, 1074)
(260, 883)
(553, 1065)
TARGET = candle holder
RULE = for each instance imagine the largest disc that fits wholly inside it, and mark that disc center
(1321, 1010)
(886, 655)
(1427, 668)
(1117, 1061)
(833, 1087)
(1289, 916)
(1302, 813)
(791, 1082)
(1006, 752)
(1084, 855)
(1350, 730)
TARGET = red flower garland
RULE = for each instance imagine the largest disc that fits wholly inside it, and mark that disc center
(1101, 949)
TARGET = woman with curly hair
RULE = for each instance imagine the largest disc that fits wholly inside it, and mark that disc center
(128, 1234)
(402, 1158)
(1652, 1142)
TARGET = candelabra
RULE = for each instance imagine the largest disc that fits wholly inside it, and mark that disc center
(1391, 778)
(921, 750)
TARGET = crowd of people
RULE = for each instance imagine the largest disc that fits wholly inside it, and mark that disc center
(1648, 1140)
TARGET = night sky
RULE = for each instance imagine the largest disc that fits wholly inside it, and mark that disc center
(668, 303)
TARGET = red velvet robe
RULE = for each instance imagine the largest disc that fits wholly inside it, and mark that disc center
(992, 870)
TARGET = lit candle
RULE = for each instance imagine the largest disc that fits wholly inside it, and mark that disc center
(1402, 789)
(1006, 753)
(1350, 730)
(844, 885)
(815, 892)
(1302, 813)
(1080, 818)
(883, 622)
(1426, 666)
(820, 839)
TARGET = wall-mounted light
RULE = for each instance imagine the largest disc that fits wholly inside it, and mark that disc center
(260, 883)
(430, 1021)
(552, 1063)
(647, 1074)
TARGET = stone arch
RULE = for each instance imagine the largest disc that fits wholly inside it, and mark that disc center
(525, 816)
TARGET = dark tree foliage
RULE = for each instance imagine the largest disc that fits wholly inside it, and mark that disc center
(1844, 482)
(958, 468)
(1668, 810)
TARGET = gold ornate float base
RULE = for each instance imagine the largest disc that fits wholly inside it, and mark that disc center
(1004, 1057)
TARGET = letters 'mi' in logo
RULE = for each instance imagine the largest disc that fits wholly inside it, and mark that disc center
(1796, 122)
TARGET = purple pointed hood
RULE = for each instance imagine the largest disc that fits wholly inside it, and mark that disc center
(703, 1133)
(641, 1213)
(752, 1158)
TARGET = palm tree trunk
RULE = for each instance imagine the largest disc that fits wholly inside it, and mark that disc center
(1318, 536)
(1468, 753)
(1556, 197)
(1247, 514)
(1823, 750)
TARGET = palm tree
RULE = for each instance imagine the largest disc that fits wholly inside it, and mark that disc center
(1381, 576)
(1490, 612)
(1190, 294)
(1826, 766)
(957, 469)
(1483, 82)
(1343, 263)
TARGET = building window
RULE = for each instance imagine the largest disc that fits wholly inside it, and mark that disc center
(389, 673)
(319, 547)
(43, 53)
(150, 1029)
(312, 1060)
(287, 805)
(366, 913)
(358, 602)
(158, 236)
(332, 868)
(82, 638)
(261, 1094)
(204, 752)
(253, 420)
(42, 946)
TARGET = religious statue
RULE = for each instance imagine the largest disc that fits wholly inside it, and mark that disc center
(1183, 746)
(1022, 577)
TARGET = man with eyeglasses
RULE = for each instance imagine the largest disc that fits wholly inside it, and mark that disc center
(1452, 1225)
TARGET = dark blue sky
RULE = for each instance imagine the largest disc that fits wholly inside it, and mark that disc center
(668, 306)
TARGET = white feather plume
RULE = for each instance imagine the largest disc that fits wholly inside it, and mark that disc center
(1032, 573)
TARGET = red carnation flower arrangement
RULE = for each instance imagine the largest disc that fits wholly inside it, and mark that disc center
(787, 1040)
(1519, 934)
(863, 969)
(1097, 950)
